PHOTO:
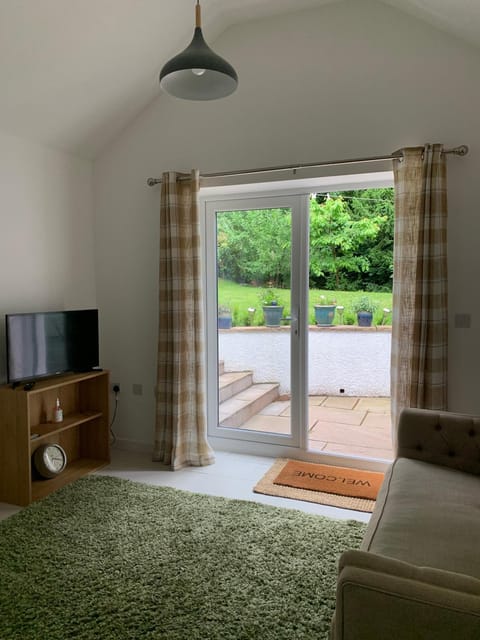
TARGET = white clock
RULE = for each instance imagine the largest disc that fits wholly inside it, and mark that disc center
(49, 460)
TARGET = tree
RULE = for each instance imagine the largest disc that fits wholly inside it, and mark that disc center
(371, 203)
(335, 237)
(255, 246)
(351, 242)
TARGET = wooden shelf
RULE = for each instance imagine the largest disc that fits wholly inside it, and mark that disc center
(73, 471)
(60, 381)
(72, 420)
(84, 433)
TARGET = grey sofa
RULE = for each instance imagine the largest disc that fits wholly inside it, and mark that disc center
(417, 573)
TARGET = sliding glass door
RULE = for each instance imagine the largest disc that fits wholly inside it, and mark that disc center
(256, 291)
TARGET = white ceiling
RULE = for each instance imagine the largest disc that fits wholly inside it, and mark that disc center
(74, 72)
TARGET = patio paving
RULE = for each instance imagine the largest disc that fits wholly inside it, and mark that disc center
(355, 426)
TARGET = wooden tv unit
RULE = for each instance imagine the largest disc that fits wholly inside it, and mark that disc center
(84, 432)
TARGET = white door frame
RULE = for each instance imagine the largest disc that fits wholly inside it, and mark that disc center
(226, 195)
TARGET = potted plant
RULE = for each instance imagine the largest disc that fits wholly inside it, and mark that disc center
(224, 317)
(272, 311)
(364, 307)
(324, 311)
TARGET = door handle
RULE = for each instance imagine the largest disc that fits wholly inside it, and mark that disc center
(294, 313)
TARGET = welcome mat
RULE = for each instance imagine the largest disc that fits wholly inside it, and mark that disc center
(324, 484)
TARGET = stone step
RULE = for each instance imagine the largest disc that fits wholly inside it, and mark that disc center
(242, 406)
(233, 382)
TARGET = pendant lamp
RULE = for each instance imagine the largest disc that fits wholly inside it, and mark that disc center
(198, 73)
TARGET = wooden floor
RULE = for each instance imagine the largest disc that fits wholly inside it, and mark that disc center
(337, 424)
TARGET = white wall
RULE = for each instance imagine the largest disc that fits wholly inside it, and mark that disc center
(345, 80)
(46, 238)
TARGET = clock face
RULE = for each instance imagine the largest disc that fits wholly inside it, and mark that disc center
(54, 458)
(49, 460)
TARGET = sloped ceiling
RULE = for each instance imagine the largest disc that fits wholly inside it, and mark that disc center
(74, 72)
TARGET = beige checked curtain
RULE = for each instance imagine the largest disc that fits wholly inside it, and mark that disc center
(420, 325)
(180, 433)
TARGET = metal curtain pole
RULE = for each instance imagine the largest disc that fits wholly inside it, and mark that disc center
(462, 150)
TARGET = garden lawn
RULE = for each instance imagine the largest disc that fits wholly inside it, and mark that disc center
(239, 298)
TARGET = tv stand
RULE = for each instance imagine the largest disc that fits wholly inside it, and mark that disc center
(26, 422)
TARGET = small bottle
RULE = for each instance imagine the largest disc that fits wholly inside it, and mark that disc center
(58, 417)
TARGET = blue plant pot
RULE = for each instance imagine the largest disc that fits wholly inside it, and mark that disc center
(273, 315)
(224, 322)
(364, 318)
(324, 314)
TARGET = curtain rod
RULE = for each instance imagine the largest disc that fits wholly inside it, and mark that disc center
(462, 150)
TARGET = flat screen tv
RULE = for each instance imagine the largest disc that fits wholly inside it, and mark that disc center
(46, 344)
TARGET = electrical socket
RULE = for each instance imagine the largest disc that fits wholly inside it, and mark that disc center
(116, 387)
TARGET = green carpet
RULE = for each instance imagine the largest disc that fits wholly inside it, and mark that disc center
(106, 559)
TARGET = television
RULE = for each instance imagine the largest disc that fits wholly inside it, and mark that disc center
(46, 344)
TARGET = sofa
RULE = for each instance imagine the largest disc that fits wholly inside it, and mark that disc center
(417, 572)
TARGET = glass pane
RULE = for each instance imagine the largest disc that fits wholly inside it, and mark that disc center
(253, 319)
(350, 259)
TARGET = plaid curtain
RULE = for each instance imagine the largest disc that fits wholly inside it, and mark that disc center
(420, 323)
(180, 433)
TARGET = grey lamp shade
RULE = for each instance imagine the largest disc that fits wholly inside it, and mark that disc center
(198, 73)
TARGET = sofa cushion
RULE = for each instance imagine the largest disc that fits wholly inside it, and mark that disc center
(439, 437)
(429, 516)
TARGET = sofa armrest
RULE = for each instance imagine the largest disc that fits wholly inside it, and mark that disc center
(378, 598)
(440, 437)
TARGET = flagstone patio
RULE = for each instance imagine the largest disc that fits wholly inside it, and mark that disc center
(357, 426)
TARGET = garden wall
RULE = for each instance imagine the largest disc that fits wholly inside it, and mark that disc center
(356, 359)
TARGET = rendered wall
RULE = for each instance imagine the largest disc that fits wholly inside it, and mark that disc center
(355, 360)
(346, 80)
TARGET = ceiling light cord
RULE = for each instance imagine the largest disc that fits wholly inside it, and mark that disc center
(198, 15)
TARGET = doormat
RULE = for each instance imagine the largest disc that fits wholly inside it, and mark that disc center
(324, 484)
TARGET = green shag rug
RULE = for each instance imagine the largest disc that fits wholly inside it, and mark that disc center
(111, 559)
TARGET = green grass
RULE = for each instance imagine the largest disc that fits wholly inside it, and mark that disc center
(239, 298)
